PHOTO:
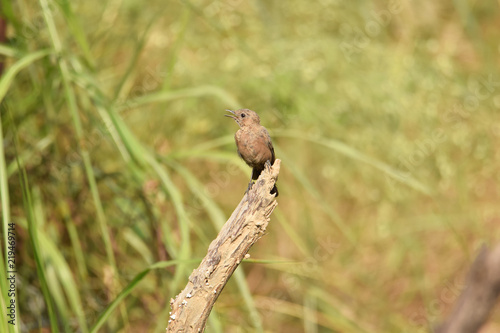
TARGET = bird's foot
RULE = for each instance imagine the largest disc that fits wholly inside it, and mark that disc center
(249, 186)
(267, 164)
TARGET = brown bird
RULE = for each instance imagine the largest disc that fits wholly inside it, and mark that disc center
(253, 143)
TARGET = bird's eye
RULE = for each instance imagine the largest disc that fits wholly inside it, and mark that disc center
(243, 115)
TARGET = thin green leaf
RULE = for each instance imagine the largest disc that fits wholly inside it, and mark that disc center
(8, 77)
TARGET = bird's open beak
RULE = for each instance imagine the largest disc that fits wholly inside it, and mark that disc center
(231, 116)
(227, 115)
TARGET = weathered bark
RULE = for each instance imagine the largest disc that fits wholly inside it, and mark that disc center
(247, 224)
(474, 305)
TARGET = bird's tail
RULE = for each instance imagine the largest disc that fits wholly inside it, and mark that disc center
(275, 190)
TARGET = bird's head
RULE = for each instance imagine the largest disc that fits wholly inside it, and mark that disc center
(244, 117)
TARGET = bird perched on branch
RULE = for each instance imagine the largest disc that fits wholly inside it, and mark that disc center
(253, 143)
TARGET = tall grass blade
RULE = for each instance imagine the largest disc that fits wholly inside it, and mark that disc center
(6, 219)
(9, 75)
(33, 232)
(76, 30)
(128, 289)
(69, 95)
(165, 96)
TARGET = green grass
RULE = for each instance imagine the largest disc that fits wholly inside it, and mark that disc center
(118, 167)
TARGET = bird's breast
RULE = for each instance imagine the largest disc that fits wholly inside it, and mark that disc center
(253, 146)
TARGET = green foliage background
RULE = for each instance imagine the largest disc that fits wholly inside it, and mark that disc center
(118, 168)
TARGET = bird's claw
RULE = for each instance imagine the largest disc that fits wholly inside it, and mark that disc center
(249, 186)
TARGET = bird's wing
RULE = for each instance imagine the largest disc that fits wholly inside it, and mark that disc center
(269, 144)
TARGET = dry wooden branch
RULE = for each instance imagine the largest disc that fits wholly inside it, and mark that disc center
(479, 297)
(247, 224)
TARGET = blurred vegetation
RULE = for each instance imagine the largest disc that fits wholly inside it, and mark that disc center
(118, 168)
